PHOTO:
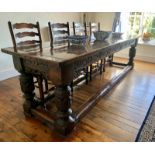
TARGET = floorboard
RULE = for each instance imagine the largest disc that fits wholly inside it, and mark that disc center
(117, 116)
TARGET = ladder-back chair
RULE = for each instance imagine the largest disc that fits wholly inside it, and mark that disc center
(28, 34)
(100, 65)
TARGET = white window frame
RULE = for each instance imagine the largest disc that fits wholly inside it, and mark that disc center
(142, 28)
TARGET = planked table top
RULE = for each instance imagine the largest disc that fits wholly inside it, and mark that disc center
(61, 65)
(60, 55)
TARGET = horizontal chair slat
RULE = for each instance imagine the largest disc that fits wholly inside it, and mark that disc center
(33, 46)
(26, 34)
(60, 41)
(58, 32)
(28, 42)
(24, 25)
(61, 38)
(59, 25)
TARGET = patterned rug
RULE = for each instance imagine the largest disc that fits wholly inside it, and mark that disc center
(147, 130)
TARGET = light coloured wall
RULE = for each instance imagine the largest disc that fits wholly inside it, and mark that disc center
(90, 17)
(106, 20)
(43, 18)
(144, 53)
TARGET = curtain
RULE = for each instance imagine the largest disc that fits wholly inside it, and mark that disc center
(117, 22)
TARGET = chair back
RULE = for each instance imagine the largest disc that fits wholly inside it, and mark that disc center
(93, 27)
(24, 34)
(59, 33)
(79, 29)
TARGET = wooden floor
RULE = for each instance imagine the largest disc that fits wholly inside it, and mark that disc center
(117, 116)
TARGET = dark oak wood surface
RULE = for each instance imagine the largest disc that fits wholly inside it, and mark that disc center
(72, 52)
(117, 116)
(26, 30)
(99, 65)
(27, 35)
(61, 66)
(59, 33)
(49, 61)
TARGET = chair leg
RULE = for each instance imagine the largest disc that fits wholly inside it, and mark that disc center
(46, 85)
(40, 84)
(91, 69)
(87, 75)
(71, 85)
(104, 61)
(101, 66)
(111, 59)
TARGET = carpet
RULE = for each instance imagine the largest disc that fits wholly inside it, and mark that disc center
(147, 130)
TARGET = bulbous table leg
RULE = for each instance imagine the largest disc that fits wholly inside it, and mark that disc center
(132, 54)
(27, 87)
(64, 123)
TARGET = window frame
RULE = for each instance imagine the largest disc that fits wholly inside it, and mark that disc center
(142, 26)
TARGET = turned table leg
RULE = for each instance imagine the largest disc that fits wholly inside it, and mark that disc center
(27, 87)
(64, 123)
(132, 53)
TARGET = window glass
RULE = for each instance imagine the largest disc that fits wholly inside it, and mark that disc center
(138, 23)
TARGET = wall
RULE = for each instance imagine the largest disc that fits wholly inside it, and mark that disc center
(144, 52)
(6, 64)
(105, 19)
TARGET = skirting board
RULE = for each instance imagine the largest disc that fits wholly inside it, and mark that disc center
(138, 57)
(6, 74)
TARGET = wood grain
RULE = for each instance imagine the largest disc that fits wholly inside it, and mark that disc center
(116, 117)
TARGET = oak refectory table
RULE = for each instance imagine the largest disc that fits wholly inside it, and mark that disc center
(61, 66)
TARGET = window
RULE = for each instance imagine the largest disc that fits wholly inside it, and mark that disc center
(149, 23)
(135, 22)
(138, 23)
